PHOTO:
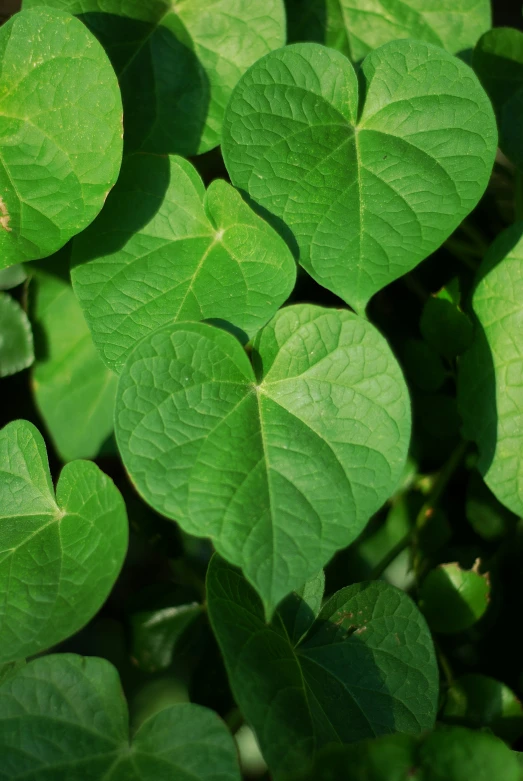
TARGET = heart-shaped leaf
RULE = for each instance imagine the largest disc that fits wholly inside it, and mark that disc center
(490, 388)
(366, 667)
(177, 63)
(59, 555)
(71, 712)
(60, 131)
(282, 467)
(371, 180)
(72, 388)
(355, 27)
(164, 249)
(16, 337)
(498, 61)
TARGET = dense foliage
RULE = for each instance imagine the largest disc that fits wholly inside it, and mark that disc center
(261, 350)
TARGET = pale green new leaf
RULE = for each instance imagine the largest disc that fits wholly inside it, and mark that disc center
(165, 249)
(16, 338)
(64, 718)
(371, 182)
(60, 130)
(177, 62)
(59, 554)
(491, 371)
(355, 27)
(281, 467)
(73, 390)
(365, 668)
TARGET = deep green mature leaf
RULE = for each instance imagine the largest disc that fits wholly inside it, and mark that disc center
(498, 61)
(453, 599)
(12, 276)
(491, 371)
(454, 754)
(177, 63)
(481, 702)
(63, 718)
(365, 668)
(61, 132)
(369, 184)
(16, 338)
(355, 27)
(59, 555)
(281, 467)
(445, 327)
(164, 249)
(158, 625)
(299, 609)
(73, 390)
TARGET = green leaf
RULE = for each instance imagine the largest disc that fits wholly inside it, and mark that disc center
(300, 608)
(423, 365)
(445, 328)
(158, 626)
(488, 517)
(61, 131)
(279, 468)
(73, 390)
(177, 63)
(365, 668)
(453, 599)
(454, 754)
(490, 387)
(165, 249)
(498, 61)
(12, 276)
(16, 338)
(481, 702)
(60, 555)
(355, 27)
(371, 182)
(71, 713)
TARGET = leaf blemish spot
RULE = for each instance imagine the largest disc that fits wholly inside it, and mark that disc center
(5, 217)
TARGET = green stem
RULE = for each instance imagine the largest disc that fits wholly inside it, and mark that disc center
(479, 241)
(394, 552)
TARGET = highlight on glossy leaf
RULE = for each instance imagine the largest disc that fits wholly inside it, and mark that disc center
(61, 129)
(177, 63)
(355, 27)
(73, 390)
(366, 667)
(60, 553)
(490, 388)
(281, 464)
(365, 176)
(72, 713)
(166, 249)
(16, 337)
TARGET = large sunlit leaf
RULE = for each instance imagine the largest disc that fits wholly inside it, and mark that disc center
(366, 667)
(59, 554)
(491, 371)
(281, 465)
(166, 249)
(355, 27)
(177, 63)
(369, 179)
(16, 338)
(60, 130)
(64, 718)
(498, 61)
(73, 390)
